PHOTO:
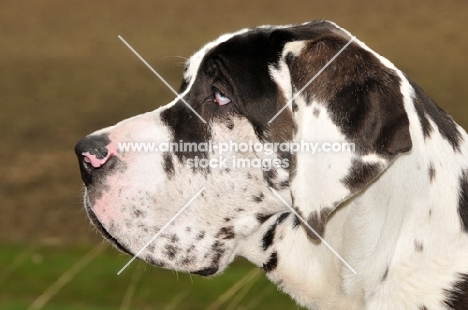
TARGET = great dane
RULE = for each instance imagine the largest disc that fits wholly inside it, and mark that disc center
(395, 208)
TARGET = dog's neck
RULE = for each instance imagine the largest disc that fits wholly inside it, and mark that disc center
(362, 230)
(290, 259)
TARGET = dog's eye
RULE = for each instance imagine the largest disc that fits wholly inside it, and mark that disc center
(221, 99)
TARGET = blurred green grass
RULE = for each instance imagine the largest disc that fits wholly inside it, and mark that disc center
(27, 272)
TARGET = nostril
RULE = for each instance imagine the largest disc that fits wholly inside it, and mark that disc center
(95, 160)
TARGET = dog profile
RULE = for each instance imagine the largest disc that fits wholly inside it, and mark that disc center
(395, 208)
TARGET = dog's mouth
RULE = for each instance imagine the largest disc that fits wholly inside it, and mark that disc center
(205, 272)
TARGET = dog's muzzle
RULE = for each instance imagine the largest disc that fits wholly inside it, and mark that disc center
(96, 159)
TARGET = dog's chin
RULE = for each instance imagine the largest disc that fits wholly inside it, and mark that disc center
(200, 270)
(205, 270)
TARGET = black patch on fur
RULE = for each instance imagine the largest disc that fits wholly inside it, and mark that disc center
(217, 250)
(268, 237)
(384, 277)
(317, 222)
(190, 248)
(272, 263)
(201, 235)
(426, 107)
(179, 118)
(269, 176)
(463, 200)
(418, 246)
(226, 233)
(422, 308)
(186, 261)
(432, 172)
(171, 251)
(282, 217)
(423, 118)
(138, 213)
(258, 198)
(457, 295)
(261, 218)
(168, 165)
(360, 175)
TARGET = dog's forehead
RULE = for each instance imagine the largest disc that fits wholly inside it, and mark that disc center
(194, 62)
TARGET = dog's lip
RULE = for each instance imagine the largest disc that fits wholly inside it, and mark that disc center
(93, 218)
(206, 271)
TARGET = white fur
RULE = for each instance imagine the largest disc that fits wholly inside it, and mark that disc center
(295, 48)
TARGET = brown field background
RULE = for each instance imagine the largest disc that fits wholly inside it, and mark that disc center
(64, 73)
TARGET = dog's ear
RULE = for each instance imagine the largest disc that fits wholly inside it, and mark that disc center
(352, 112)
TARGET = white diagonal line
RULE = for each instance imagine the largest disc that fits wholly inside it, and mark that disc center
(161, 78)
(161, 230)
(312, 79)
(313, 230)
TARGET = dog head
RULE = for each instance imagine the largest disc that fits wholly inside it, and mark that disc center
(224, 138)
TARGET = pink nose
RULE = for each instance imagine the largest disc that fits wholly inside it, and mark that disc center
(94, 160)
